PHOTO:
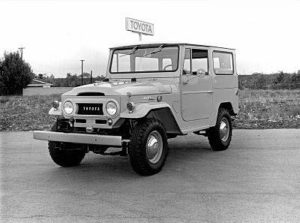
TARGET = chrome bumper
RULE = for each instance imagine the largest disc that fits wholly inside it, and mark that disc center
(79, 138)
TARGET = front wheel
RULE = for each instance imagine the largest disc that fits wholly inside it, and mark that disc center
(148, 147)
(66, 154)
(219, 136)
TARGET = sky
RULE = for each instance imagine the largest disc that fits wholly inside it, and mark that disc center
(58, 34)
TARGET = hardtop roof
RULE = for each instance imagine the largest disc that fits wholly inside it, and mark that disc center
(153, 44)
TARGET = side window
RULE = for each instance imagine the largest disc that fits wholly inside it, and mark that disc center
(167, 64)
(223, 63)
(187, 62)
(199, 62)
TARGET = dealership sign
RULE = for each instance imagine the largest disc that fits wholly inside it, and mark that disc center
(139, 26)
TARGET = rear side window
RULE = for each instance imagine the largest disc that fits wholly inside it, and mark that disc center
(223, 63)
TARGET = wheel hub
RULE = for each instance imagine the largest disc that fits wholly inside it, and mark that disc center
(224, 129)
(154, 147)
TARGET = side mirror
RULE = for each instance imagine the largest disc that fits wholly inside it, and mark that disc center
(201, 72)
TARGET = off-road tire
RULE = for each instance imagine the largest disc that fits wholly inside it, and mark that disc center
(137, 149)
(65, 154)
(214, 133)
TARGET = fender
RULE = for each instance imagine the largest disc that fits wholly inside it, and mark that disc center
(159, 110)
(141, 110)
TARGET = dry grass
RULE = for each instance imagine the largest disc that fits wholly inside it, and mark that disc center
(258, 109)
(20, 113)
(269, 109)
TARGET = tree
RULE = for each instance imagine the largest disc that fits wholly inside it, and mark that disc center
(15, 74)
(41, 76)
(71, 80)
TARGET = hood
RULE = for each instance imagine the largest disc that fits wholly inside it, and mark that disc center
(122, 88)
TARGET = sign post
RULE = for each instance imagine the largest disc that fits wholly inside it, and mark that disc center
(140, 27)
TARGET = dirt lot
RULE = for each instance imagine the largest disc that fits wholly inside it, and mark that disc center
(255, 180)
(258, 109)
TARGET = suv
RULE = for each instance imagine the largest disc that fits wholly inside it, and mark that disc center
(153, 92)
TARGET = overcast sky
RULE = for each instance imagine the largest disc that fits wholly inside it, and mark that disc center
(57, 34)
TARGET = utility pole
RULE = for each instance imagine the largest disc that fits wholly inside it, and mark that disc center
(81, 72)
(91, 76)
(1, 70)
(21, 50)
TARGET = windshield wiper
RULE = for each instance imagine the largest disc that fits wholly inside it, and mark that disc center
(157, 50)
(132, 51)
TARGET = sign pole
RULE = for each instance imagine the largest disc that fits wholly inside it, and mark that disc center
(140, 36)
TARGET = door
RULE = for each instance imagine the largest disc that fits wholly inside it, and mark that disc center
(196, 98)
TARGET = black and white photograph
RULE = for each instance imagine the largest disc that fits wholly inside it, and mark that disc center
(149, 111)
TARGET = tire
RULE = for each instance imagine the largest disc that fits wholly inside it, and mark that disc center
(65, 154)
(148, 147)
(219, 136)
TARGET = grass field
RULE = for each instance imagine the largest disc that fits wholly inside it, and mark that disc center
(258, 109)
(269, 109)
(18, 113)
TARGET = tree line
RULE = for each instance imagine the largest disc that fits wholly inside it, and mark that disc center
(279, 80)
(71, 80)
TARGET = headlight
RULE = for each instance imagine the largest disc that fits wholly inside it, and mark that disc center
(111, 108)
(68, 107)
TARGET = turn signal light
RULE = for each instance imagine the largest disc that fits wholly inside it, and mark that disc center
(55, 105)
(130, 106)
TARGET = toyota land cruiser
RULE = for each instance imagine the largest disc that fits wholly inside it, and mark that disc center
(152, 92)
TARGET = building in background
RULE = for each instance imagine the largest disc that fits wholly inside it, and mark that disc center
(39, 87)
(38, 83)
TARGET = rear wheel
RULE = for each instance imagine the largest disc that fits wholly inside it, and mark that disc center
(220, 135)
(148, 147)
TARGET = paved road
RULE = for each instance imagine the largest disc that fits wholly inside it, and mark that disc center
(256, 180)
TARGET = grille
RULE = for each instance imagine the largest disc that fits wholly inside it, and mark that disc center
(90, 109)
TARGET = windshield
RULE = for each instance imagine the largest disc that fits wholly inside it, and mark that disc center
(141, 59)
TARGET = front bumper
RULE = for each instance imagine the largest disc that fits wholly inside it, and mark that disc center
(107, 140)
